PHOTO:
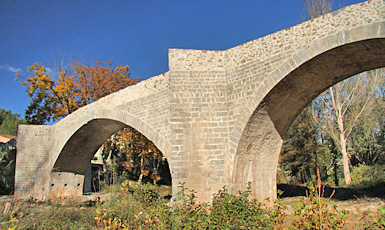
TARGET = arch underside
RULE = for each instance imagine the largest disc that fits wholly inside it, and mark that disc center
(258, 150)
(75, 151)
(81, 147)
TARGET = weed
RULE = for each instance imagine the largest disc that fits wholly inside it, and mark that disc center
(379, 220)
(316, 212)
(110, 223)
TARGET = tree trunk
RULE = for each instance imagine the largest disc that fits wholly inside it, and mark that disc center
(335, 163)
(141, 170)
(106, 162)
(339, 114)
(344, 151)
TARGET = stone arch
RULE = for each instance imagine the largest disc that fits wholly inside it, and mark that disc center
(90, 133)
(258, 134)
(76, 148)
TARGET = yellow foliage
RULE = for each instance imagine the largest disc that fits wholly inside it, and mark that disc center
(60, 97)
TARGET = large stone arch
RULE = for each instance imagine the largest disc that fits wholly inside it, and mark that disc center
(107, 121)
(287, 90)
(88, 134)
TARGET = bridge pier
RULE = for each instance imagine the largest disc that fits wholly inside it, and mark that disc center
(33, 161)
(256, 159)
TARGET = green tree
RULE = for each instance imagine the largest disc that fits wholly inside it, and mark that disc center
(367, 139)
(302, 152)
(7, 166)
(344, 105)
(346, 120)
(9, 122)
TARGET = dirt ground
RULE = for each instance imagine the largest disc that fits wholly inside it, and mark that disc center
(362, 204)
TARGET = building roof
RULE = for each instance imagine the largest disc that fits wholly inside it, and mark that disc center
(4, 138)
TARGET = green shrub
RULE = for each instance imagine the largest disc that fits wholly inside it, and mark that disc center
(366, 176)
(316, 212)
(144, 209)
(227, 211)
(241, 212)
(379, 220)
(187, 213)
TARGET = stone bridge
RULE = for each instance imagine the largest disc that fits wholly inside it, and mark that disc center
(218, 116)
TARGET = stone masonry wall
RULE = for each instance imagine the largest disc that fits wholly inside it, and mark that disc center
(153, 109)
(33, 161)
(198, 130)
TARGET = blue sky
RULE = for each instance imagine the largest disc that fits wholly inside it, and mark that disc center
(137, 33)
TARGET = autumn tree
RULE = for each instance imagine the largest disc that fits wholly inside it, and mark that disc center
(71, 87)
(57, 92)
(143, 160)
(134, 157)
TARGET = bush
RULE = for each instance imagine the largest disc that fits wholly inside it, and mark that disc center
(227, 211)
(379, 220)
(316, 212)
(241, 212)
(368, 176)
(141, 208)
